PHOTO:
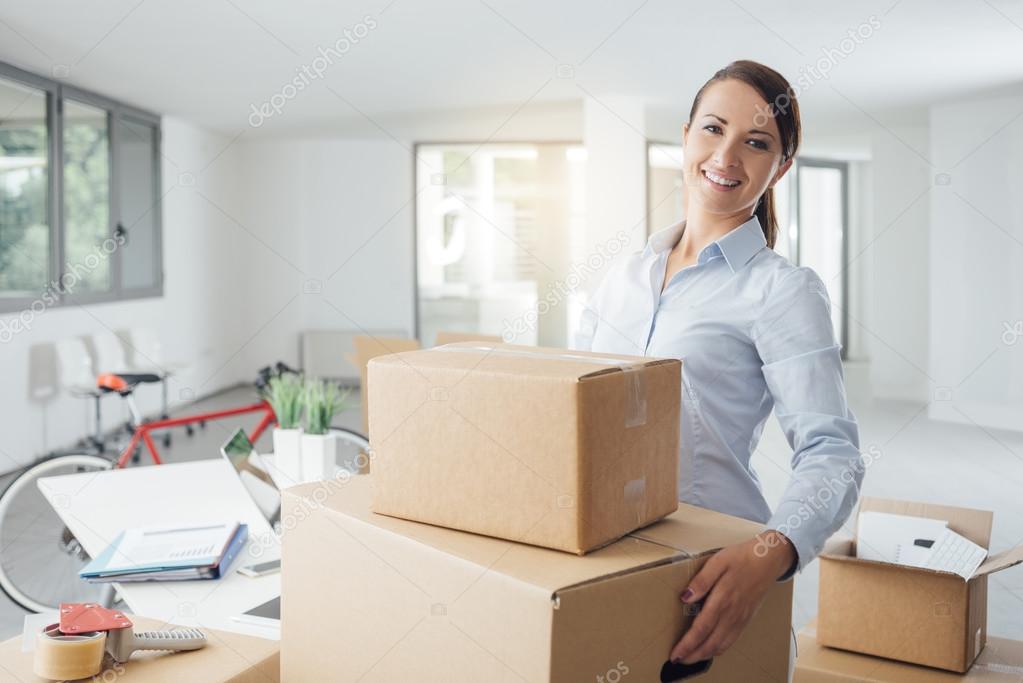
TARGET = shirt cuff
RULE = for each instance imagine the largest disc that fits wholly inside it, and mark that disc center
(798, 535)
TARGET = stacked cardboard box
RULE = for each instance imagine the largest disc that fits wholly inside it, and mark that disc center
(568, 450)
(525, 447)
(375, 598)
(1001, 661)
(911, 614)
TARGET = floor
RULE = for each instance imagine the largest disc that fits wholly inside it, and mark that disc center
(914, 458)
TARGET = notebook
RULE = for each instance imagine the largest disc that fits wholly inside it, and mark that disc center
(168, 553)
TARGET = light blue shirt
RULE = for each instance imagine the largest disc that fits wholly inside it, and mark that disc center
(754, 332)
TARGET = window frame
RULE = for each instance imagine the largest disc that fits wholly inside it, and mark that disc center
(56, 93)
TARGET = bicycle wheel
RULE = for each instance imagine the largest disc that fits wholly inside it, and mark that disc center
(39, 556)
(353, 451)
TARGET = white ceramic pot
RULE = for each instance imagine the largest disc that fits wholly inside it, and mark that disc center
(319, 456)
(288, 455)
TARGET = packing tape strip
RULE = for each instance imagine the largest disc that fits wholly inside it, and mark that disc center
(635, 387)
(61, 658)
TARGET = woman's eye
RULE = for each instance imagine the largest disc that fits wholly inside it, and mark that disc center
(759, 144)
(708, 127)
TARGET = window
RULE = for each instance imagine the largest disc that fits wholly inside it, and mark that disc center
(79, 196)
(86, 188)
(24, 189)
(813, 193)
(498, 227)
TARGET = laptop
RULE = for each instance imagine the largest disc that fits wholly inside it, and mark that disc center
(239, 451)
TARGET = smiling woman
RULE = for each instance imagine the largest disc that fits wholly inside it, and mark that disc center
(755, 334)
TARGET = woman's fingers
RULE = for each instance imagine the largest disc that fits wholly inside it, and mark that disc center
(694, 638)
(704, 580)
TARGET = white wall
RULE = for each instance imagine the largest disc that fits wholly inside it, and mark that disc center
(976, 249)
(194, 316)
(896, 331)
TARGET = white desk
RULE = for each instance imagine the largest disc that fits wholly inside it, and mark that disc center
(97, 506)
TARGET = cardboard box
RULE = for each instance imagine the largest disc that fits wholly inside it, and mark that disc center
(454, 337)
(910, 614)
(1000, 662)
(227, 658)
(378, 599)
(366, 348)
(563, 449)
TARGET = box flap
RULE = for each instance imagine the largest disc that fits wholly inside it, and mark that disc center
(367, 347)
(542, 567)
(973, 524)
(444, 337)
(1003, 560)
(838, 545)
(695, 530)
(530, 361)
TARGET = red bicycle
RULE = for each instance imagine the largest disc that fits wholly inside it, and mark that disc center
(39, 556)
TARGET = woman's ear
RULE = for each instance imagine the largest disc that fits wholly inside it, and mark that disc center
(685, 133)
(780, 173)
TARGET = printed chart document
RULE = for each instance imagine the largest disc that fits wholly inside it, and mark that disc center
(916, 542)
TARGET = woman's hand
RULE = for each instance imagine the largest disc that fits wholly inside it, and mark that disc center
(732, 584)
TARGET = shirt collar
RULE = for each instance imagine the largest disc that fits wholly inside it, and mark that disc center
(738, 246)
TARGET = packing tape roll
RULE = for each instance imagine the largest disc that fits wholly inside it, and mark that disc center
(60, 658)
(635, 387)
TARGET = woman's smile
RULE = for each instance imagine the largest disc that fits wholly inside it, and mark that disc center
(720, 183)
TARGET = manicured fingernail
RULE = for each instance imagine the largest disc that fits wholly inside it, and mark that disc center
(687, 595)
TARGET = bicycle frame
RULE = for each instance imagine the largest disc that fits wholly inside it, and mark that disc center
(142, 431)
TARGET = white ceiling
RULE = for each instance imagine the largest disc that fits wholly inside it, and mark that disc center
(209, 61)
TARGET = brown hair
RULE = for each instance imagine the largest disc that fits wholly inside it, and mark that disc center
(782, 105)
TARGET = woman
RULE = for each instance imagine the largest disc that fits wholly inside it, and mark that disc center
(755, 333)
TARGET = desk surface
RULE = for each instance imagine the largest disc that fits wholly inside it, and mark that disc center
(226, 657)
(96, 506)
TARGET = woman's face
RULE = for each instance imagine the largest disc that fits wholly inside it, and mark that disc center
(732, 149)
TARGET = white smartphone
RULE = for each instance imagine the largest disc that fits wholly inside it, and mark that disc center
(260, 569)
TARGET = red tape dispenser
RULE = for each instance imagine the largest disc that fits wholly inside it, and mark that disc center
(74, 648)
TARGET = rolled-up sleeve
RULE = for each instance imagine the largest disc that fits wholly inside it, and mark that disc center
(802, 367)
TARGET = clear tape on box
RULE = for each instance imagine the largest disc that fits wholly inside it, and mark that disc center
(635, 386)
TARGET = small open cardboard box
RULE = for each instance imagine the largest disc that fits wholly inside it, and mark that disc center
(916, 615)
(372, 598)
(1000, 662)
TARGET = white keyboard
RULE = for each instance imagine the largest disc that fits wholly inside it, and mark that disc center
(956, 554)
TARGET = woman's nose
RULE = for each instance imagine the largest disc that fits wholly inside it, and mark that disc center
(726, 155)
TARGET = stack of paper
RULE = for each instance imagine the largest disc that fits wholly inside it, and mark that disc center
(916, 542)
(168, 553)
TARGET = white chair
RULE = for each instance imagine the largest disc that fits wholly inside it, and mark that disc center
(76, 376)
(110, 356)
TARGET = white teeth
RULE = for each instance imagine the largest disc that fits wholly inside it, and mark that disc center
(720, 180)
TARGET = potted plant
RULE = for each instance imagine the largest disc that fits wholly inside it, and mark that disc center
(284, 393)
(322, 401)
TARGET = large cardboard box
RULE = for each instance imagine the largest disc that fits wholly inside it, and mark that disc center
(227, 658)
(372, 598)
(1000, 662)
(567, 450)
(910, 614)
